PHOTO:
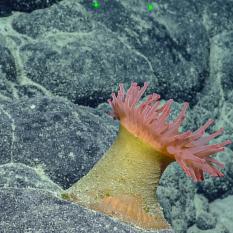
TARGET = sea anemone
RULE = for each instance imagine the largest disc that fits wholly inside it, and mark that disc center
(124, 181)
(149, 123)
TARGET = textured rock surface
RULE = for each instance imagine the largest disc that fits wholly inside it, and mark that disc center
(59, 63)
(39, 211)
(23, 5)
(65, 139)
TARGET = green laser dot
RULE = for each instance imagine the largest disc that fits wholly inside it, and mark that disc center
(96, 4)
(150, 7)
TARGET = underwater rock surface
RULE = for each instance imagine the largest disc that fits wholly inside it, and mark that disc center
(60, 62)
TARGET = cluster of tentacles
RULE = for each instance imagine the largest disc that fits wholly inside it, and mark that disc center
(149, 122)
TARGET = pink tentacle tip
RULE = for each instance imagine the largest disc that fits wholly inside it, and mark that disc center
(149, 122)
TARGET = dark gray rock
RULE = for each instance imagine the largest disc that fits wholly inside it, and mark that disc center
(162, 56)
(176, 194)
(219, 187)
(18, 175)
(24, 5)
(217, 17)
(67, 139)
(220, 228)
(206, 221)
(84, 71)
(65, 17)
(7, 62)
(167, 43)
(7, 71)
(24, 210)
(5, 10)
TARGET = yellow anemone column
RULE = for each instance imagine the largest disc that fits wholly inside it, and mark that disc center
(123, 183)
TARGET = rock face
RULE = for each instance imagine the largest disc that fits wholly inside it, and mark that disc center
(59, 63)
(24, 5)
